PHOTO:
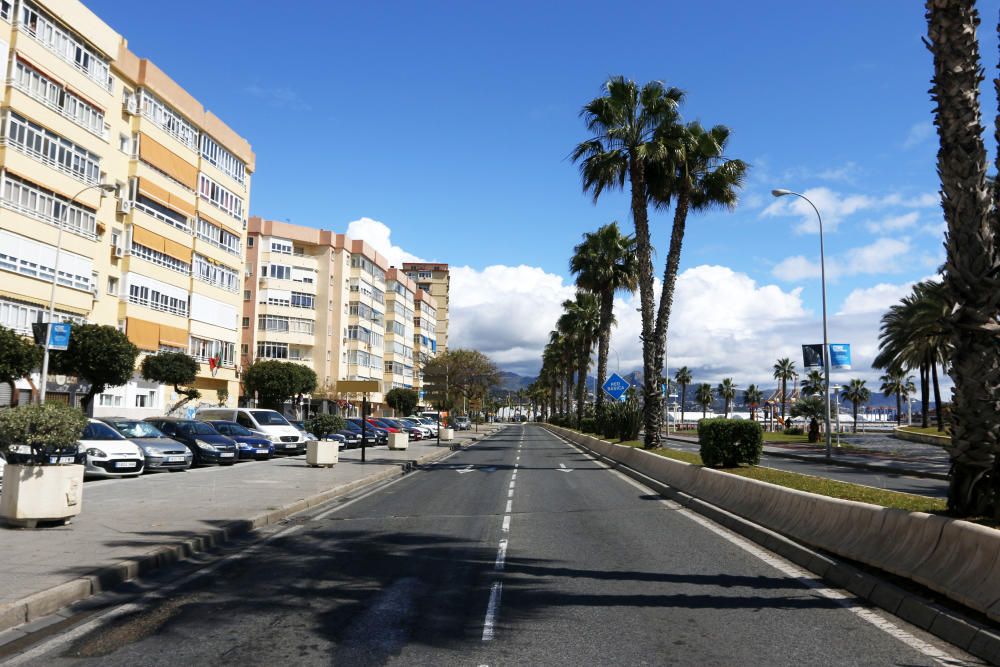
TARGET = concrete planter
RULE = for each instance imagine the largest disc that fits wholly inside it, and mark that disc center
(323, 453)
(41, 493)
(399, 440)
(447, 434)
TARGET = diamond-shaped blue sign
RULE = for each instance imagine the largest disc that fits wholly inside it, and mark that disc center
(615, 386)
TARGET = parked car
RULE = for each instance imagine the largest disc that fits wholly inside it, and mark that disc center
(462, 423)
(381, 434)
(425, 431)
(426, 421)
(415, 432)
(207, 444)
(372, 435)
(383, 424)
(286, 438)
(107, 453)
(160, 451)
(352, 439)
(249, 444)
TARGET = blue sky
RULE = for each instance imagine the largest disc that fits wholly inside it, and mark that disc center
(450, 123)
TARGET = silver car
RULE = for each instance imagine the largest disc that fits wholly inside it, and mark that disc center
(160, 450)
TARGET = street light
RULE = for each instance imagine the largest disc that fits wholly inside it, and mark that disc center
(104, 187)
(826, 342)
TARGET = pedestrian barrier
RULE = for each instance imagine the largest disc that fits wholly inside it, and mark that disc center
(958, 559)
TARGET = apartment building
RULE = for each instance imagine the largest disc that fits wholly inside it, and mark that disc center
(434, 279)
(162, 258)
(334, 304)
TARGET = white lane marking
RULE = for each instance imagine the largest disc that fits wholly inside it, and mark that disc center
(491, 611)
(468, 468)
(516, 464)
(518, 458)
(506, 524)
(510, 493)
(501, 556)
(563, 468)
(511, 484)
(508, 505)
(809, 580)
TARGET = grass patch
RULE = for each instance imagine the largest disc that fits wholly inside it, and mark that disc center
(778, 436)
(930, 430)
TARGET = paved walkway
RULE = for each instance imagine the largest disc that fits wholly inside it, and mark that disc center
(126, 520)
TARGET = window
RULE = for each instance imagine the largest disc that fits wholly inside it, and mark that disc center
(203, 349)
(300, 300)
(424, 275)
(64, 44)
(244, 349)
(162, 213)
(145, 399)
(216, 155)
(283, 324)
(125, 143)
(150, 297)
(51, 149)
(160, 259)
(112, 286)
(109, 401)
(59, 99)
(220, 196)
(277, 271)
(281, 246)
(271, 350)
(167, 119)
(218, 236)
(42, 204)
(5, 7)
(30, 258)
(216, 274)
(246, 322)
(246, 295)
(20, 316)
(249, 241)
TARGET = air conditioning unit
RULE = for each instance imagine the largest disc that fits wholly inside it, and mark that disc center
(96, 291)
(118, 251)
(248, 272)
(131, 105)
(124, 206)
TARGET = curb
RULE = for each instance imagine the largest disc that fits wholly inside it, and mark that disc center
(49, 601)
(980, 640)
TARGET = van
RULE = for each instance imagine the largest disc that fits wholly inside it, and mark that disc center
(286, 438)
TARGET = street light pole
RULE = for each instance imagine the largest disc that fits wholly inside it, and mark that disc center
(826, 341)
(105, 187)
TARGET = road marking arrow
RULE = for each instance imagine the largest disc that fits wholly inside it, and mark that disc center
(466, 469)
(563, 468)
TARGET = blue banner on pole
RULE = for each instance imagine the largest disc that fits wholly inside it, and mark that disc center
(840, 356)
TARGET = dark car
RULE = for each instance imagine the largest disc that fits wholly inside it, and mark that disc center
(403, 427)
(161, 452)
(352, 439)
(381, 434)
(371, 437)
(251, 445)
(207, 444)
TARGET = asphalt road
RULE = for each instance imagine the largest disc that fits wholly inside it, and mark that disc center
(518, 550)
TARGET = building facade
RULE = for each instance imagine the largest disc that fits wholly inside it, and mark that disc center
(434, 279)
(162, 258)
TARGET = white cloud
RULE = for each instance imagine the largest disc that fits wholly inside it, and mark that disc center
(379, 236)
(893, 223)
(875, 299)
(880, 256)
(918, 134)
(833, 206)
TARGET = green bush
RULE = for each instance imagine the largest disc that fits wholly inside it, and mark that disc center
(620, 419)
(49, 430)
(322, 425)
(794, 430)
(588, 425)
(730, 442)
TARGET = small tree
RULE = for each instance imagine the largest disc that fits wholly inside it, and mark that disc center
(857, 393)
(99, 354)
(403, 401)
(812, 408)
(49, 430)
(305, 382)
(222, 396)
(274, 382)
(173, 368)
(322, 425)
(18, 357)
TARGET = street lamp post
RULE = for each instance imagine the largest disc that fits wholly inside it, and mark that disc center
(104, 187)
(826, 342)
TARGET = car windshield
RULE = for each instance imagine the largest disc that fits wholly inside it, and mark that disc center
(269, 418)
(197, 428)
(236, 429)
(137, 429)
(99, 431)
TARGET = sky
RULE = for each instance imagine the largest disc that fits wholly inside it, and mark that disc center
(442, 130)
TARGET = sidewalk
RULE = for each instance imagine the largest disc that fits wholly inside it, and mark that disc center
(130, 526)
(917, 461)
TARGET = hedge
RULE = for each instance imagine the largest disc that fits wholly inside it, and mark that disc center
(730, 442)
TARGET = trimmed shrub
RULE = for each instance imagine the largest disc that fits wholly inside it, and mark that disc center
(588, 425)
(322, 425)
(794, 430)
(49, 431)
(729, 442)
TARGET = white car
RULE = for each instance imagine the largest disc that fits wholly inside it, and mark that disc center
(428, 422)
(106, 453)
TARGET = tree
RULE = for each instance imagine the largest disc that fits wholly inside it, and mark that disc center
(703, 396)
(895, 383)
(813, 384)
(579, 325)
(625, 121)
(605, 263)
(458, 374)
(812, 408)
(403, 401)
(972, 266)
(692, 171)
(727, 392)
(18, 358)
(856, 393)
(99, 354)
(683, 378)
(222, 395)
(304, 382)
(274, 382)
(754, 397)
(784, 371)
(322, 425)
(173, 368)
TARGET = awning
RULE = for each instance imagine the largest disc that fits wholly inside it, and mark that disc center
(165, 197)
(173, 336)
(167, 161)
(145, 335)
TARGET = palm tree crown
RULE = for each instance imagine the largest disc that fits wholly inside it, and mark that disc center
(683, 378)
(754, 397)
(703, 396)
(727, 392)
(784, 371)
(856, 393)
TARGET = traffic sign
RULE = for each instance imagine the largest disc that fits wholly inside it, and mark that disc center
(615, 386)
(58, 334)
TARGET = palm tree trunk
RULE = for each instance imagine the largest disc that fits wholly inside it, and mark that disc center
(899, 408)
(938, 412)
(854, 406)
(581, 385)
(783, 387)
(650, 373)
(604, 343)
(925, 396)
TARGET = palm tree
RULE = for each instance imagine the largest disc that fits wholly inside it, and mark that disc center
(784, 371)
(856, 393)
(605, 263)
(972, 263)
(753, 396)
(895, 383)
(683, 378)
(813, 384)
(624, 122)
(727, 392)
(579, 324)
(703, 396)
(692, 172)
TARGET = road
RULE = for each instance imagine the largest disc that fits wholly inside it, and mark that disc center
(518, 550)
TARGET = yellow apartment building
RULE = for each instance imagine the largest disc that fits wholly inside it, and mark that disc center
(424, 335)
(434, 279)
(163, 258)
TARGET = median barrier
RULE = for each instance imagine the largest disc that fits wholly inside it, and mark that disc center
(956, 558)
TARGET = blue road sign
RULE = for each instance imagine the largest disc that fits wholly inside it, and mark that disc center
(59, 335)
(615, 386)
